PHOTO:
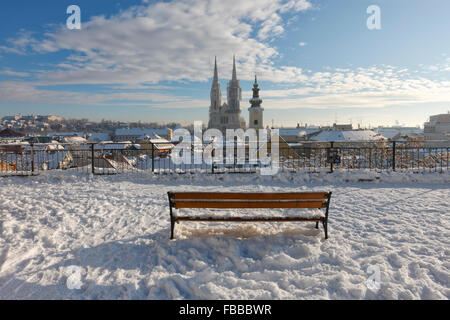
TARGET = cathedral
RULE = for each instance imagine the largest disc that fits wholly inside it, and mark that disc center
(227, 115)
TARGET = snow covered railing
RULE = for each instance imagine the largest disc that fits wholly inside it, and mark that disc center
(229, 200)
(308, 156)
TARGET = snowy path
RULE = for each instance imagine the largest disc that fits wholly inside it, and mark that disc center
(116, 228)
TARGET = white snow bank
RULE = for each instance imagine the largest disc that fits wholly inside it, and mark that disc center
(115, 229)
(217, 180)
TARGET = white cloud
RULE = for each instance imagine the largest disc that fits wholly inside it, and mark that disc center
(176, 41)
(372, 87)
(302, 44)
(271, 27)
(170, 41)
(9, 72)
(20, 44)
(30, 92)
(374, 99)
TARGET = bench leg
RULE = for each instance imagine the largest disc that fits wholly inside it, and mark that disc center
(172, 227)
(325, 228)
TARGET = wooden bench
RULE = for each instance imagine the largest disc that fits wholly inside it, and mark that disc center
(229, 200)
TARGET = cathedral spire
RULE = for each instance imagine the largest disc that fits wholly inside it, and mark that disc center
(234, 77)
(216, 75)
(255, 90)
(234, 92)
(255, 100)
(216, 93)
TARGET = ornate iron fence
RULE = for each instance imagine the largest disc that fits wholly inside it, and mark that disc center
(24, 160)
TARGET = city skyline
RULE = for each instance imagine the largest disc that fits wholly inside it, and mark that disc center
(317, 62)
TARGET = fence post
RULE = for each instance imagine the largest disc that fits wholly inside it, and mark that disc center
(92, 158)
(393, 155)
(32, 158)
(153, 158)
(332, 160)
(213, 154)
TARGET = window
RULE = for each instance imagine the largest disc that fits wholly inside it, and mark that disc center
(256, 122)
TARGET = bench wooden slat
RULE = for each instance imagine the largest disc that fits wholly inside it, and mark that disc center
(248, 204)
(249, 196)
(256, 219)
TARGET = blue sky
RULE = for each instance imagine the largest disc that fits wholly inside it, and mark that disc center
(316, 61)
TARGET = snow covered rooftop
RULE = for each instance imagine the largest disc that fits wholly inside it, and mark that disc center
(347, 135)
(116, 146)
(63, 134)
(74, 139)
(151, 132)
(297, 131)
(389, 133)
(99, 136)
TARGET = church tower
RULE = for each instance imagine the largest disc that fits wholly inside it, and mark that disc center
(234, 91)
(255, 112)
(216, 98)
(227, 115)
(216, 93)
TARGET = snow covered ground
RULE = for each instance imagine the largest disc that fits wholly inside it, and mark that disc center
(115, 231)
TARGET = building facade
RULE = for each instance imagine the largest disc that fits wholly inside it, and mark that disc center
(136, 134)
(437, 131)
(227, 115)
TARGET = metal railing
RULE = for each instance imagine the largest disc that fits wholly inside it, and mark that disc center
(24, 160)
